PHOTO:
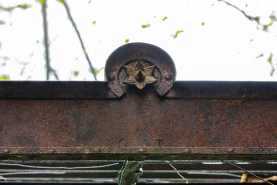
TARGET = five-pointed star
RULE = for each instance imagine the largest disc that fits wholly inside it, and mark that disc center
(139, 75)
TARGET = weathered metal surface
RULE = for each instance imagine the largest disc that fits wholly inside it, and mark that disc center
(128, 54)
(223, 90)
(54, 90)
(99, 90)
(144, 123)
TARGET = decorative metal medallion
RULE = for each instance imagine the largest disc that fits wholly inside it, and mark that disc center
(140, 64)
(140, 75)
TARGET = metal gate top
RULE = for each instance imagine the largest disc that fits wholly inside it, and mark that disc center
(139, 114)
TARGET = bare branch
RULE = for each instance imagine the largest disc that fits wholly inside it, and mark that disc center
(80, 39)
(257, 19)
(251, 18)
(46, 44)
(55, 74)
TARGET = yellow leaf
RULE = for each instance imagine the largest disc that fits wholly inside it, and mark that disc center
(145, 26)
(127, 40)
(4, 77)
(41, 1)
(93, 22)
(96, 71)
(177, 32)
(164, 18)
(76, 73)
(61, 1)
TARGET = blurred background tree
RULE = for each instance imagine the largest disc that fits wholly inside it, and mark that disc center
(208, 40)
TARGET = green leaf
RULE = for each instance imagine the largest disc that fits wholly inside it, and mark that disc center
(8, 9)
(76, 73)
(93, 22)
(23, 6)
(2, 22)
(127, 40)
(272, 72)
(164, 18)
(270, 58)
(177, 32)
(96, 71)
(41, 1)
(246, 5)
(203, 23)
(61, 1)
(261, 55)
(270, 62)
(4, 77)
(145, 26)
(89, 1)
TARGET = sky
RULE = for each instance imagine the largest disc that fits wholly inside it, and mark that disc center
(218, 42)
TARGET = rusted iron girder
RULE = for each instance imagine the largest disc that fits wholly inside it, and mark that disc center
(85, 117)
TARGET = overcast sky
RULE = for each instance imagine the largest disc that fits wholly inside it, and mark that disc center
(217, 43)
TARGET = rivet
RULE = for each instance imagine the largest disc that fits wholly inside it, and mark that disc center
(168, 76)
(6, 151)
(52, 151)
(275, 151)
(160, 142)
(187, 150)
(111, 77)
(230, 150)
(142, 150)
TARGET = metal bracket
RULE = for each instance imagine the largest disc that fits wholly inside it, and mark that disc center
(130, 172)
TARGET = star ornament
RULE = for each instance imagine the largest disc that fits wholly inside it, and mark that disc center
(139, 75)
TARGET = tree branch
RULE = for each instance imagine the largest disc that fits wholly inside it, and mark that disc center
(46, 44)
(80, 39)
(257, 19)
(55, 74)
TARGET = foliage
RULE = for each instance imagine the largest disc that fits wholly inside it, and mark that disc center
(97, 71)
(270, 62)
(164, 18)
(4, 77)
(145, 26)
(11, 8)
(177, 32)
(76, 73)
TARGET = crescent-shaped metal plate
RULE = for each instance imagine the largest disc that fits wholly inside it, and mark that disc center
(140, 51)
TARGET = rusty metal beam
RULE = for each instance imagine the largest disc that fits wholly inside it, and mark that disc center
(100, 90)
(224, 119)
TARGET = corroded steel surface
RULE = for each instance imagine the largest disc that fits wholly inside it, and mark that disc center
(99, 90)
(128, 54)
(54, 90)
(223, 90)
(141, 122)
